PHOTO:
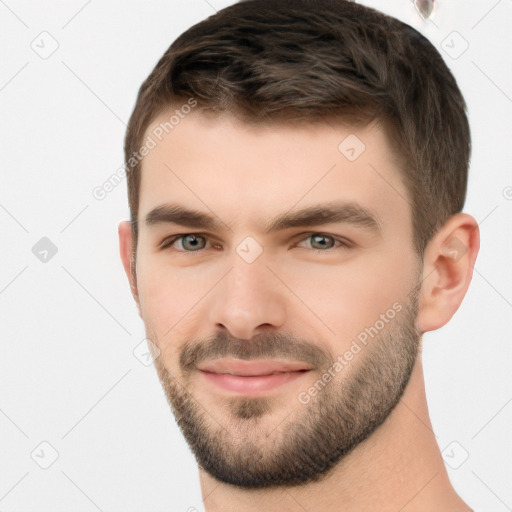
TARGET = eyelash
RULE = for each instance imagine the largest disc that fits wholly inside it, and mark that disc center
(168, 242)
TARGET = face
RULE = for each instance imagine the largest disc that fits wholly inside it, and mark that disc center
(276, 275)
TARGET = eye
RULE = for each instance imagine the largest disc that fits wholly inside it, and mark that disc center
(323, 243)
(195, 242)
(189, 242)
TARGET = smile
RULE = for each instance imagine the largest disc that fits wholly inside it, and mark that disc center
(251, 377)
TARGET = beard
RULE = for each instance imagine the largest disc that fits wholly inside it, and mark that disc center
(246, 445)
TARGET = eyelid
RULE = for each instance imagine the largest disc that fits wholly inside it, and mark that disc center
(344, 242)
(169, 241)
(341, 240)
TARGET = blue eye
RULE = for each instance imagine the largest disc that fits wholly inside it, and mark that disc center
(194, 242)
(318, 238)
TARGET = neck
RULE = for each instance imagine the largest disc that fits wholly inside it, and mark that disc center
(398, 468)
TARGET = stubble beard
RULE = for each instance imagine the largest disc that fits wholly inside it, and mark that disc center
(242, 446)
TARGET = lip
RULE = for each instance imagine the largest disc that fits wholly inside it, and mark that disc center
(259, 367)
(251, 377)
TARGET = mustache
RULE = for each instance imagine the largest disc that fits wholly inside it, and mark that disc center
(262, 346)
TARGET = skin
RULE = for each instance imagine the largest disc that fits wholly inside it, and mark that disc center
(247, 175)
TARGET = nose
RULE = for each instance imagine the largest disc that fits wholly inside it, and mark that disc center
(248, 300)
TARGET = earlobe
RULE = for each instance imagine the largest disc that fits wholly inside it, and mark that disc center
(447, 270)
(126, 252)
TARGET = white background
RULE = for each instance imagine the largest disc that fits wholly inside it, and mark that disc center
(69, 326)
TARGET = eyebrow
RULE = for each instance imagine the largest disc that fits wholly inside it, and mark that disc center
(350, 213)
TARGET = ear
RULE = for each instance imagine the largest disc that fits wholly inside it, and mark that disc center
(126, 246)
(448, 264)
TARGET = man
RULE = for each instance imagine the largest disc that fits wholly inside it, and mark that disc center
(296, 177)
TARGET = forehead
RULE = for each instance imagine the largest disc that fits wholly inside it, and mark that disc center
(218, 163)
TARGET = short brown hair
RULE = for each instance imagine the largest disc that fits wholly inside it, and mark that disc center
(305, 60)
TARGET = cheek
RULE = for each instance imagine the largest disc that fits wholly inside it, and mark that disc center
(171, 301)
(345, 299)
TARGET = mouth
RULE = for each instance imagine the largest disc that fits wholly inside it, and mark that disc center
(252, 377)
